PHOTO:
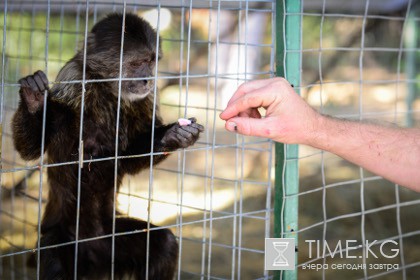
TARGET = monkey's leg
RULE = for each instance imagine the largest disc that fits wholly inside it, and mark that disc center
(130, 250)
(51, 259)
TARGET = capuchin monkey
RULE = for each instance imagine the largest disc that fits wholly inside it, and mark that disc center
(60, 139)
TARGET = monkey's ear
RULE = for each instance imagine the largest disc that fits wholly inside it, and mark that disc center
(90, 42)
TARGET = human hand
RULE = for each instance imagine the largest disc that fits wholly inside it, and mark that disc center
(288, 118)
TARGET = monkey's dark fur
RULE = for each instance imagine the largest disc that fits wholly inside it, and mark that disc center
(62, 126)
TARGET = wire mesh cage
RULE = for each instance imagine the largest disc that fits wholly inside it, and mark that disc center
(214, 196)
(349, 59)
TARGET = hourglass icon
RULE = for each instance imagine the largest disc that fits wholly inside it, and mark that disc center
(280, 260)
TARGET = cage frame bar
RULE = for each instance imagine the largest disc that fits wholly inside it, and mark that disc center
(288, 65)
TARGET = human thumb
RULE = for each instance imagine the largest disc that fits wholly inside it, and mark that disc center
(248, 126)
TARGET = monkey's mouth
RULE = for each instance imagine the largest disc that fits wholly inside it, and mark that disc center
(139, 89)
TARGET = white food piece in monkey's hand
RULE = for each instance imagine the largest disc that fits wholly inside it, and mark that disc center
(183, 122)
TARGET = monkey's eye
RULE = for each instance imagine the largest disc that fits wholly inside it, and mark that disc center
(136, 64)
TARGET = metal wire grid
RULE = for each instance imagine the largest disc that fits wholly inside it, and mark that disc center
(395, 215)
(19, 201)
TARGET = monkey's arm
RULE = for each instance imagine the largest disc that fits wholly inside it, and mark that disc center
(167, 138)
(28, 119)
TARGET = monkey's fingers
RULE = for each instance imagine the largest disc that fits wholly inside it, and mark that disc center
(32, 84)
(188, 131)
(184, 141)
(37, 82)
(23, 83)
(195, 124)
(41, 80)
(192, 128)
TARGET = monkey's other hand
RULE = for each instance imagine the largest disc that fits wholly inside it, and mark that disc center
(32, 89)
(178, 136)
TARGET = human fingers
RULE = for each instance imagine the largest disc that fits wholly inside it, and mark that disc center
(251, 86)
(250, 102)
(251, 127)
(252, 113)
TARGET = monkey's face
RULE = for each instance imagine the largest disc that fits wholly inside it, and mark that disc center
(138, 73)
(140, 53)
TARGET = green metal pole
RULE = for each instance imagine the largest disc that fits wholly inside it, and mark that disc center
(288, 58)
(411, 38)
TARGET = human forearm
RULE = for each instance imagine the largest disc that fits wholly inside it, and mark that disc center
(393, 153)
